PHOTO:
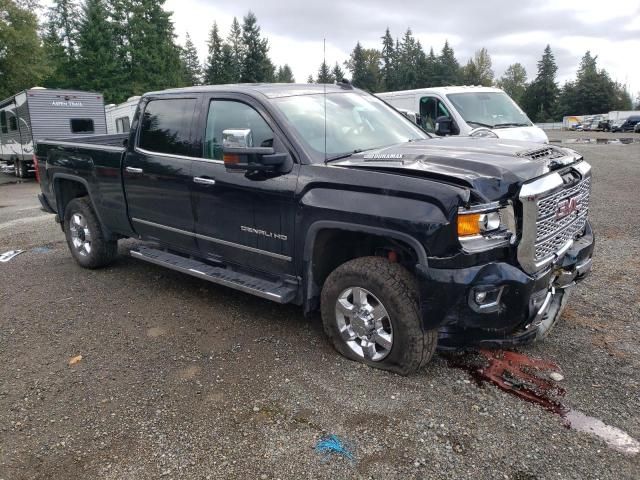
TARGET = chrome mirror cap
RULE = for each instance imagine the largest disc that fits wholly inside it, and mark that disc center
(237, 138)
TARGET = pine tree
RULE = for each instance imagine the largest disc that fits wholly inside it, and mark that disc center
(337, 73)
(234, 40)
(428, 70)
(310, 79)
(448, 70)
(62, 18)
(98, 69)
(192, 71)
(285, 75)
(388, 54)
(216, 72)
(19, 37)
(409, 55)
(155, 58)
(324, 74)
(364, 65)
(514, 82)
(256, 65)
(55, 57)
(540, 98)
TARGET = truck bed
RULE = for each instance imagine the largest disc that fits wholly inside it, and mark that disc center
(91, 141)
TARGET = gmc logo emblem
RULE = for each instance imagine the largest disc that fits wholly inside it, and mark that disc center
(567, 207)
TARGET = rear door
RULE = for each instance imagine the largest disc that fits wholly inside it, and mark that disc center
(244, 218)
(158, 172)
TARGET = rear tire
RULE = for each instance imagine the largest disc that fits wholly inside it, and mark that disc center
(85, 238)
(371, 314)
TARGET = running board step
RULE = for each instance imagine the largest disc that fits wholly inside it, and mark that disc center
(280, 292)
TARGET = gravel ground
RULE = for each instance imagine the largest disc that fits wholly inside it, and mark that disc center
(183, 379)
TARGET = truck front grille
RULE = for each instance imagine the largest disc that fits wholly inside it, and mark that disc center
(553, 216)
(552, 233)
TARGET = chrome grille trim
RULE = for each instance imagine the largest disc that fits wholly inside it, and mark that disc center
(544, 236)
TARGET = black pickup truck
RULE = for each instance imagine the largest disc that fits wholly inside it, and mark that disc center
(328, 198)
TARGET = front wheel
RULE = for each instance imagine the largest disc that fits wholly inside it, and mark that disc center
(370, 313)
(84, 235)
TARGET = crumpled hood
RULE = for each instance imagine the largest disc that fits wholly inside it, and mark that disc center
(494, 168)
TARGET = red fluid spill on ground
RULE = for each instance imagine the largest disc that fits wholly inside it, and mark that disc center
(519, 375)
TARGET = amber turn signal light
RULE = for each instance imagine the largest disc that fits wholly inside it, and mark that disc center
(231, 159)
(469, 224)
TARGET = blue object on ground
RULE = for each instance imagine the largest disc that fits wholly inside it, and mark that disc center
(42, 250)
(331, 444)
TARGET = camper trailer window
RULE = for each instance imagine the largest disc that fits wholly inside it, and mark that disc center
(82, 125)
(3, 122)
(13, 124)
(123, 125)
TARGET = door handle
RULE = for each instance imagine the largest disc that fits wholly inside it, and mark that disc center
(204, 180)
(134, 170)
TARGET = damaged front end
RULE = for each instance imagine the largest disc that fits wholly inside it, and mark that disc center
(519, 298)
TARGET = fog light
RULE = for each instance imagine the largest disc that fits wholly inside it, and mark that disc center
(481, 297)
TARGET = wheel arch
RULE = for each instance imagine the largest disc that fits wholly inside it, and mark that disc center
(314, 275)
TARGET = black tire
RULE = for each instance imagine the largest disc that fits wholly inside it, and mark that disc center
(101, 252)
(412, 346)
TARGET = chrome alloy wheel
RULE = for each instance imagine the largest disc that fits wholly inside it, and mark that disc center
(80, 234)
(364, 324)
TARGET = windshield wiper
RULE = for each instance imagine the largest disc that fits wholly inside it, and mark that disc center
(480, 124)
(512, 124)
(347, 155)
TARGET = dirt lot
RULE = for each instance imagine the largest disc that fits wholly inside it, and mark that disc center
(183, 379)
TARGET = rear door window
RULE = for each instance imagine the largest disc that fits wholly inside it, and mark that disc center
(82, 125)
(166, 126)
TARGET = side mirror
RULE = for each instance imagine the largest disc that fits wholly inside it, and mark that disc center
(443, 126)
(240, 154)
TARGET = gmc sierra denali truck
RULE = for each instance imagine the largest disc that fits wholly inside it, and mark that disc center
(327, 197)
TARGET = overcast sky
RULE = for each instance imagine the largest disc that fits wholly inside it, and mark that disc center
(512, 31)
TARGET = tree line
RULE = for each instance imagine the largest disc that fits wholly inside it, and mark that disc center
(127, 47)
(403, 64)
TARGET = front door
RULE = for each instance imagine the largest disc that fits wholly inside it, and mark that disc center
(158, 173)
(244, 218)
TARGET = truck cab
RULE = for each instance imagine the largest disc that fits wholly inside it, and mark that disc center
(467, 111)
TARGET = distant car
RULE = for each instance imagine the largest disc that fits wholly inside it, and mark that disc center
(576, 127)
(604, 125)
(630, 123)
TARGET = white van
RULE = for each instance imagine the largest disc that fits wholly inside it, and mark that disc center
(468, 111)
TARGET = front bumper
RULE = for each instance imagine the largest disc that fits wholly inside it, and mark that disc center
(519, 309)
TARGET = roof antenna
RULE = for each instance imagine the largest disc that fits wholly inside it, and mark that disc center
(324, 83)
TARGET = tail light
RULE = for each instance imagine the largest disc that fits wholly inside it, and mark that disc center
(35, 166)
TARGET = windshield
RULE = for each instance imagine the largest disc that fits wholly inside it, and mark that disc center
(489, 109)
(354, 123)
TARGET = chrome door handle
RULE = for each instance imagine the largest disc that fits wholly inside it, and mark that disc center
(134, 170)
(204, 181)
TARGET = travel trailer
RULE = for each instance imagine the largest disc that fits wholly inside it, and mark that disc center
(119, 117)
(39, 113)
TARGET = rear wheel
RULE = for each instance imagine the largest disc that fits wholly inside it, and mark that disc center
(370, 313)
(84, 235)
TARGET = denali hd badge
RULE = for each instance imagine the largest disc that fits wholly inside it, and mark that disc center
(383, 156)
(567, 206)
(263, 233)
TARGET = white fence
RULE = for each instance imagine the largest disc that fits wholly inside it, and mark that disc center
(550, 126)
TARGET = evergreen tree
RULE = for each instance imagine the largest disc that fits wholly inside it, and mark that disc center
(19, 37)
(62, 22)
(389, 57)
(234, 40)
(191, 63)
(98, 69)
(55, 57)
(337, 73)
(285, 75)
(256, 65)
(539, 101)
(448, 68)
(324, 74)
(310, 79)
(155, 58)
(514, 82)
(409, 56)
(364, 65)
(428, 70)
(478, 70)
(216, 72)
